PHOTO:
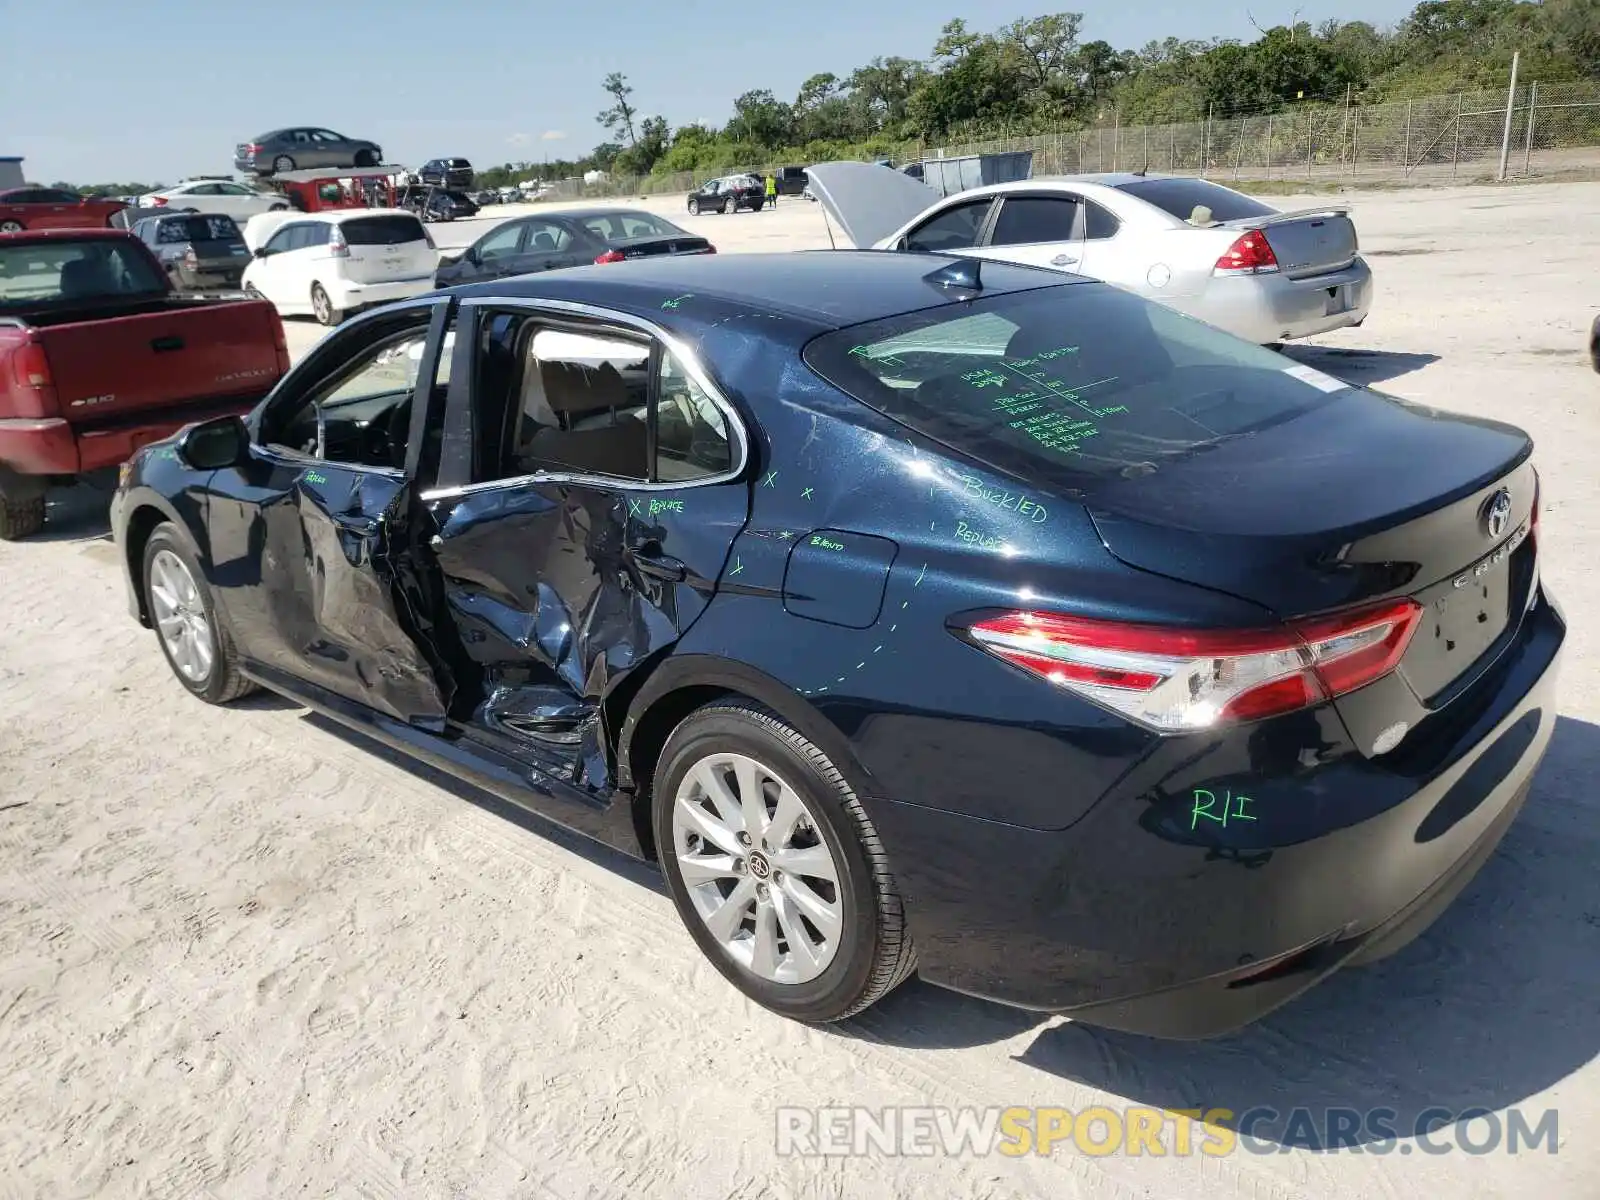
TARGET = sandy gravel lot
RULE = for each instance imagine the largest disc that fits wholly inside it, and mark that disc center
(245, 955)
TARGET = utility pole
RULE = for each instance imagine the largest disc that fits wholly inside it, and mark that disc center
(1511, 100)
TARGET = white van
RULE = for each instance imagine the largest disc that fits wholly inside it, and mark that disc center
(331, 263)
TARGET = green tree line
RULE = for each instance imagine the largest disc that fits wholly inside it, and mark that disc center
(1038, 74)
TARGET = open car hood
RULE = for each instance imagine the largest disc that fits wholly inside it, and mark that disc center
(866, 201)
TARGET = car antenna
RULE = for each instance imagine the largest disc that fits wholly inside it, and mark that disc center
(961, 276)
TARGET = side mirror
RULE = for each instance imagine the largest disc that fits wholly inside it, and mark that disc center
(214, 444)
(260, 252)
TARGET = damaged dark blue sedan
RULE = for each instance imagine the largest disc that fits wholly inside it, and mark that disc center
(914, 613)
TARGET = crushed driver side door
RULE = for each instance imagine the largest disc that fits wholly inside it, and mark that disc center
(316, 542)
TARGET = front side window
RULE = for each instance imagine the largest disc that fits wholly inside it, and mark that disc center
(502, 242)
(360, 415)
(954, 229)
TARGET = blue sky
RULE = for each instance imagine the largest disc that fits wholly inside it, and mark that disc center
(95, 91)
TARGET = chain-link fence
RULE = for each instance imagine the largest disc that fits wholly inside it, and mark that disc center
(1553, 129)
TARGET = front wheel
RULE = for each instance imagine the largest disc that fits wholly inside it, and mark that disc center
(20, 516)
(322, 306)
(196, 645)
(278, 208)
(775, 867)
(694, 207)
(366, 158)
(11, 226)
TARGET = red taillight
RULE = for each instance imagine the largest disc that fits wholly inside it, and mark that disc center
(710, 249)
(191, 259)
(611, 256)
(31, 371)
(280, 342)
(1250, 254)
(337, 246)
(1173, 680)
(158, 201)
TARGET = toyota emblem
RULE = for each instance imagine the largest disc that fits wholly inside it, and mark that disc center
(1497, 513)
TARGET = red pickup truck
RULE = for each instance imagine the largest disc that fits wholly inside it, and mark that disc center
(98, 356)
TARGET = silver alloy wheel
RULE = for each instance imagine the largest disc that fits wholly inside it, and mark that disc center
(756, 868)
(321, 305)
(10, 226)
(181, 617)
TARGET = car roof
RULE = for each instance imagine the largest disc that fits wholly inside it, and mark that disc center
(70, 235)
(337, 216)
(829, 289)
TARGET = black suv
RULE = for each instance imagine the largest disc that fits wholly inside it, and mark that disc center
(729, 194)
(447, 172)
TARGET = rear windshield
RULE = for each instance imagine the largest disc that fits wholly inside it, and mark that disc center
(1180, 197)
(1067, 385)
(60, 272)
(458, 163)
(617, 226)
(199, 229)
(382, 231)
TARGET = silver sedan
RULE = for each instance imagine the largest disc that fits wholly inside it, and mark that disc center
(1193, 245)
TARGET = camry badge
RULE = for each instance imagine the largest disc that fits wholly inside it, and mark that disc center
(1497, 513)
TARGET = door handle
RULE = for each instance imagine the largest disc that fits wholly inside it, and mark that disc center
(1062, 260)
(657, 565)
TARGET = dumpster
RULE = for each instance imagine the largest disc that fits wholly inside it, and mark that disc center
(947, 176)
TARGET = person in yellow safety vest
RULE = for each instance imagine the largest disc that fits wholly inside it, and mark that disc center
(772, 192)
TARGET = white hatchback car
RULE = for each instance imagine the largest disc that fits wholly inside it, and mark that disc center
(331, 263)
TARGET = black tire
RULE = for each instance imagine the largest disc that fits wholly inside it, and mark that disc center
(365, 158)
(694, 207)
(224, 683)
(875, 953)
(278, 208)
(322, 307)
(723, 209)
(281, 164)
(1594, 344)
(20, 518)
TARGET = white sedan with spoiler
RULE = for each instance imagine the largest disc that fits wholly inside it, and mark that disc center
(1193, 245)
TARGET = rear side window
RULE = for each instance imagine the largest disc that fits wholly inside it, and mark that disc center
(1066, 385)
(1030, 219)
(383, 231)
(1180, 197)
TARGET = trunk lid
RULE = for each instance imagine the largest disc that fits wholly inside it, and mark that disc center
(117, 364)
(1363, 500)
(651, 245)
(868, 202)
(1308, 242)
(221, 255)
(386, 247)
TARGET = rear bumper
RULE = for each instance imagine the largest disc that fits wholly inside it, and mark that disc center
(346, 295)
(54, 446)
(1140, 917)
(1275, 308)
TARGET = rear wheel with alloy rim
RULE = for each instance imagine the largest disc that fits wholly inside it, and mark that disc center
(197, 647)
(11, 226)
(775, 867)
(322, 307)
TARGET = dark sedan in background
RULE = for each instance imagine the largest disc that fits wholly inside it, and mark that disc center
(447, 173)
(200, 252)
(914, 613)
(436, 204)
(571, 238)
(302, 147)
